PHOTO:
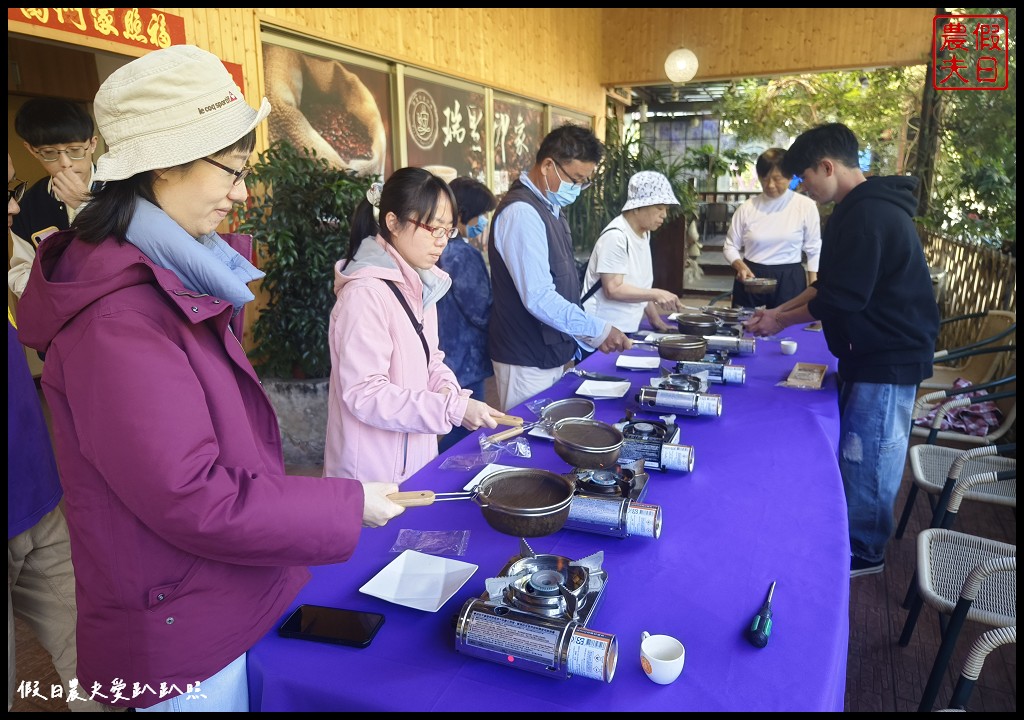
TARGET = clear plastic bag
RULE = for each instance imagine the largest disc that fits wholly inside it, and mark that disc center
(433, 542)
(470, 461)
(519, 446)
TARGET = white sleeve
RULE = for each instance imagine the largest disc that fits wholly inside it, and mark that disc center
(812, 236)
(733, 246)
(23, 253)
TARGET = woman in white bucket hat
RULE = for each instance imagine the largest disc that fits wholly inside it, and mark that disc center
(188, 539)
(620, 274)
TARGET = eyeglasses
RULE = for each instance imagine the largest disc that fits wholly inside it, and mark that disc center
(581, 184)
(239, 174)
(74, 152)
(17, 192)
(441, 233)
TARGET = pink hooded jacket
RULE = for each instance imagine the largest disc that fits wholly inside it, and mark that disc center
(386, 406)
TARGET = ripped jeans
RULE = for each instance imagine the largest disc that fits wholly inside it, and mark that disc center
(874, 431)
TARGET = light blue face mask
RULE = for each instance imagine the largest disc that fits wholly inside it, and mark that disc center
(566, 195)
(477, 229)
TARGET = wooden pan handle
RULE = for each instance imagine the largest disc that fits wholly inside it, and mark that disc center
(417, 498)
(508, 419)
(505, 434)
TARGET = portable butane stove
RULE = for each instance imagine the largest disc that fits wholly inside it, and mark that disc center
(654, 443)
(533, 617)
(620, 481)
(609, 501)
(730, 330)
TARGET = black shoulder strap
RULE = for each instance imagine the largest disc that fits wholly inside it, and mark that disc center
(412, 318)
(593, 289)
(597, 286)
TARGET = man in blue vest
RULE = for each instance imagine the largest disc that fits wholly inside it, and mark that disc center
(537, 323)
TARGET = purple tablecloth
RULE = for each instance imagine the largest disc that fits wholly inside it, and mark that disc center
(764, 502)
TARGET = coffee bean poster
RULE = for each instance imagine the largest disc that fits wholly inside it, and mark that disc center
(341, 110)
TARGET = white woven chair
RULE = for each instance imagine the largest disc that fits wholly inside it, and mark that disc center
(968, 578)
(936, 468)
(1004, 395)
(964, 361)
(985, 644)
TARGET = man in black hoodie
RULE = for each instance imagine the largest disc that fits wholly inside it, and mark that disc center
(874, 299)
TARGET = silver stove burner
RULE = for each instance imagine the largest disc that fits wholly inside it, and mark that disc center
(619, 481)
(549, 585)
(545, 582)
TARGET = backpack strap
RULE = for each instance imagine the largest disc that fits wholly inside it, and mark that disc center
(417, 325)
(597, 286)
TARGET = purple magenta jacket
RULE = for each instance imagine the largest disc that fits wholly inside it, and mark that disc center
(189, 540)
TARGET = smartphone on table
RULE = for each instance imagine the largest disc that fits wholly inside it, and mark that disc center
(331, 625)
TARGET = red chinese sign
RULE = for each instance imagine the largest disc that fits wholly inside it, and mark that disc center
(139, 27)
(970, 52)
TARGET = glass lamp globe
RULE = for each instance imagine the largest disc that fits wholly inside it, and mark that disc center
(681, 65)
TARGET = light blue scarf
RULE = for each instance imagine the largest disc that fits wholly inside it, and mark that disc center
(208, 265)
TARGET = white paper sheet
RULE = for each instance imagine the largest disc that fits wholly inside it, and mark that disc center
(637, 362)
(602, 389)
(420, 581)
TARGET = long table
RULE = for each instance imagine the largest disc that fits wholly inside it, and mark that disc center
(763, 503)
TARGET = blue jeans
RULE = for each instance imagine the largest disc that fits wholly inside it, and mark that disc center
(874, 431)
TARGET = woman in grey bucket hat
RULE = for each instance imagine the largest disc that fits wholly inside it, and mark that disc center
(620, 274)
(189, 540)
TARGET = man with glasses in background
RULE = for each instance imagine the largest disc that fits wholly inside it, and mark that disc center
(537, 323)
(61, 135)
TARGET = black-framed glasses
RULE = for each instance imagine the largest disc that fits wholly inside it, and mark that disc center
(17, 192)
(441, 233)
(581, 184)
(74, 152)
(239, 174)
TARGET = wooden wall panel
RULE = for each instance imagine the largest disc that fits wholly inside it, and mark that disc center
(568, 56)
(496, 47)
(760, 42)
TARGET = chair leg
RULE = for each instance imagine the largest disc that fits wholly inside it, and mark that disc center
(908, 507)
(911, 592)
(961, 693)
(911, 623)
(956, 622)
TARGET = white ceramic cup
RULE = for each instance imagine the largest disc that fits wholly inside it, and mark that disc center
(661, 657)
(788, 347)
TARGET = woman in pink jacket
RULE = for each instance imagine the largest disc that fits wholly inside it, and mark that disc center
(391, 394)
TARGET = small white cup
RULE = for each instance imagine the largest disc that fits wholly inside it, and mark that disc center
(788, 347)
(661, 657)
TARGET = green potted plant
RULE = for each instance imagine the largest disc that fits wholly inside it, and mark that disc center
(299, 215)
(710, 165)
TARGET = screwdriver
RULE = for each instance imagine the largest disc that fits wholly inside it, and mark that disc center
(761, 626)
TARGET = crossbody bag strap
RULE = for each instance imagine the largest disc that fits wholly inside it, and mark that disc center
(417, 325)
(597, 286)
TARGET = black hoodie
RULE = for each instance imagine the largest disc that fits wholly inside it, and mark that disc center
(874, 290)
